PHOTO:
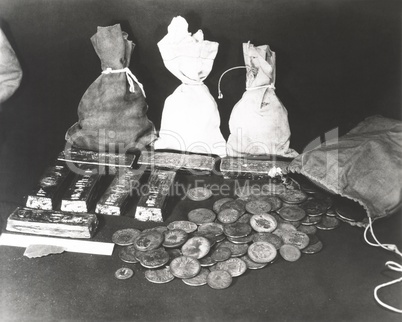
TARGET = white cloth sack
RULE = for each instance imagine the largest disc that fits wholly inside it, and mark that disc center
(10, 69)
(259, 122)
(190, 118)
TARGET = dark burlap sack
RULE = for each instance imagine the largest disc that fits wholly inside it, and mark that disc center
(112, 112)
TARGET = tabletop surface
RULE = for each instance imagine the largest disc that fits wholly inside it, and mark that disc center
(335, 284)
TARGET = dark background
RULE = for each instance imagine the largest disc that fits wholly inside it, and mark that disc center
(337, 63)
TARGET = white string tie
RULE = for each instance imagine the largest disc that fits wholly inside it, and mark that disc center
(272, 86)
(390, 264)
(129, 75)
(220, 95)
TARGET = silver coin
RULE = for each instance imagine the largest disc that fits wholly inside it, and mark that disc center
(269, 238)
(148, 241)
(263, 223)
(236, 249)
(256, 207)
(276, 202)
(123, 273)
(262, 252)
(241, 240)
(206, 261)
(159, 276)
(127, 254)
(237, 230)
(219, 279)
(125, 237)
(185, 225)
(174, 238)
(219, 203)
(245, 218)
(311, 220)
(154, 258)
(296, 238)
(290, 253)
(235, 266)
(196, 247)
(314, 207)
(251, 264)
(201, 216)
(292, 213)
(198, 280)
(238, 204)
(313, 249)
(328, 223)
(212, 228)
(293, 196)
(185, 267)
(228, 215)
(309, 230)
(221, 254)
(199, 193)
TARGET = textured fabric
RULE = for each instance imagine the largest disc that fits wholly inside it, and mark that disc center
(111, 117)
(259, 121)
(190, 117)
(364, 165)
(10, 69)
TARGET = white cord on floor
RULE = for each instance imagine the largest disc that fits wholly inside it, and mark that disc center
(390, 264)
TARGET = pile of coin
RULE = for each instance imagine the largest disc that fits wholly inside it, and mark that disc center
(215, 245)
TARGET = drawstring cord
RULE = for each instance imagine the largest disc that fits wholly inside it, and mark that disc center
(220, 95)
(390, 264)
(129, 75)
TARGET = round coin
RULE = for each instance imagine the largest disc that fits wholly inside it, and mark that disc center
(236, 249)
(228, 215)
(251, 264)
(185, 267)
(235, 266)
(199, 193)
(148, 241)
(187, 226)
(127, 254)
(238, 204)
(292, 213)
(314, 207)
(313, 249)
(125, 237)
(241, 240)
(212, 228)
(262, 252)
(159, 276)
(296, 238)
(263, 223)
(219, 279)
(310, 220)
(219, 203)
(245, 218)
(199, 279)
(309, 230)
(290, 253)
(123, 273)
(201, 216)
(154, 258)
(174, 238)
(196, 247)
(269, 238)
(276, 202)
(237, 230)
(221, 254)
(293, 196)
(256, 207)
(328, 223)
(206, 261)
